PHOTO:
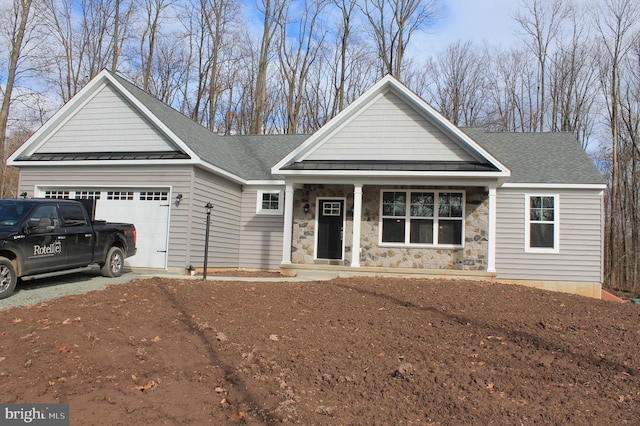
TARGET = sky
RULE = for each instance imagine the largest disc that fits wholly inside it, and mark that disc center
(481, 21)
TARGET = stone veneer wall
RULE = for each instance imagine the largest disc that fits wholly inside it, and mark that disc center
(472, 257)
(303, 244)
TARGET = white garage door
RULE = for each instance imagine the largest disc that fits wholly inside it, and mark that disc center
(148, 210)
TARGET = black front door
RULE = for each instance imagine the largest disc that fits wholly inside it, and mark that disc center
(330, 224)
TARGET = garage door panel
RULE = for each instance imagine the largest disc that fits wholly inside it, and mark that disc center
(150, 217)
(148, 210)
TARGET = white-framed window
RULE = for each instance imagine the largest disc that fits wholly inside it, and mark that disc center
(331, 208)
(270, 202)
(422, 218)
(541, 223)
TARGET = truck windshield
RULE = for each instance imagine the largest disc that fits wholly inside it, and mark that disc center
(11, 213)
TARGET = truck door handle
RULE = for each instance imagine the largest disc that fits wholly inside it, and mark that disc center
(62, 237)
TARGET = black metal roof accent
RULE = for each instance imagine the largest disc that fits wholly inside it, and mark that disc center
(79, 156)
(383, 165)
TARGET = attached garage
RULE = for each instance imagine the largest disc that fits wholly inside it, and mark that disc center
(146, 208)
(145, 163)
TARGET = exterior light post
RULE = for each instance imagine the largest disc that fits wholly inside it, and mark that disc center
(209, 206)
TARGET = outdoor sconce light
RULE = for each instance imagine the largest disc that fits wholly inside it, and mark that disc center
(23, 194)
(178, 199)
(306, 208)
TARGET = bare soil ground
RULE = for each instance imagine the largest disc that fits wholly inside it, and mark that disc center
(342, 352)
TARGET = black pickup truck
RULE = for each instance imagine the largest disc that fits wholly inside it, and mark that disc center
(40, 236)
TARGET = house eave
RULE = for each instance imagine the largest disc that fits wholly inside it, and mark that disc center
(516, 185)
(75, 163)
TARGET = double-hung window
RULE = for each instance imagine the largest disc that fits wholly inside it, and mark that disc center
(422, 218)
(541, 223)
(270, 202)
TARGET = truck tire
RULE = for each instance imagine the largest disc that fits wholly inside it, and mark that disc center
(8, 277)
(114, 263)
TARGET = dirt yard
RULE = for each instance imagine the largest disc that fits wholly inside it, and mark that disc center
(342, 352)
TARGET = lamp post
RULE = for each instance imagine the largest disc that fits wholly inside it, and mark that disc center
(209, 206)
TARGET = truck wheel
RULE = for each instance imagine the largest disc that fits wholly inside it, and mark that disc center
(114, 264)
(8, 277)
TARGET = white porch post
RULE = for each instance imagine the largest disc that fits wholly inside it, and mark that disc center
(288, 224)
(357, 219)
(491, 255)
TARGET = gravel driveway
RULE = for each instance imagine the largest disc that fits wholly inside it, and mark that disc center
(41, 290)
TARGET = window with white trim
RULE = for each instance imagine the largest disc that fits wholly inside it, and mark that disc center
(270, 202)
(541, 232)
(426, 218)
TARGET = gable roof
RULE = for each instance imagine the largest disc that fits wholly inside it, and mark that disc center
(390, 131)
(442, 149)
(239, 158)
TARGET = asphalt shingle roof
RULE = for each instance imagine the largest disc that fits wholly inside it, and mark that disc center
(554, 157)
(248, 157)
(549, 157)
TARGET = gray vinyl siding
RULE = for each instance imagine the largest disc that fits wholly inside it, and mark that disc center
(390, 129)
(580, 256)
(108, 122)
(224, 242)
(260, 235)
(177, 178)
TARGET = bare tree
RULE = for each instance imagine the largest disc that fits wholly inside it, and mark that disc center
(213, 27)
(573, 84)
(17, 25)
(458, 83)
(273, 12)
(346, 9)
(154, 10)
(510, 97)
(541, 21)
(65, 53)
(392, 23)
(616, 23)
(121, 23)
(297, 57)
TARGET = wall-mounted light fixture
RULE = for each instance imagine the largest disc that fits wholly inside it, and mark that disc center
(178, 199)
(306, 208)
(23, 194)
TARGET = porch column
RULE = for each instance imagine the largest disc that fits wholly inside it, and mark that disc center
(288, 224)
(357, 214)
(491, 254)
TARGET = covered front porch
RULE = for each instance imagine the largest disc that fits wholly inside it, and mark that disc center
(391, 229)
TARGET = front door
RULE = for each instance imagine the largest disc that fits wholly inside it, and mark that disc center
(330, 229)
